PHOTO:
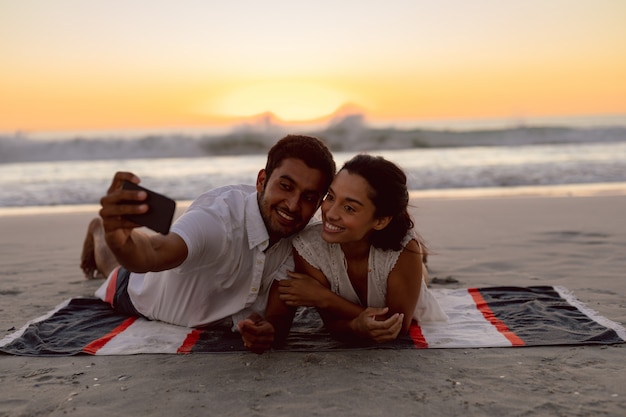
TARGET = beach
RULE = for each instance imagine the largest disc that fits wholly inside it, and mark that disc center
(573, 239)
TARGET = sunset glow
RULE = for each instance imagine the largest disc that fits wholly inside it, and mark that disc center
(290, 101)
(76, 65)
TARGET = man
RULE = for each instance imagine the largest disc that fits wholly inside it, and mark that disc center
(222, 254)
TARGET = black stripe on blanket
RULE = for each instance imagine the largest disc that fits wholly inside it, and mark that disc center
(68, 330)
(540, 313)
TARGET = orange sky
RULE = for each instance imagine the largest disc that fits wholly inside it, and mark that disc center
(88, 65)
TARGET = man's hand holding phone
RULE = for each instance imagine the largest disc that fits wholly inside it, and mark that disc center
(128, 205)
(160, 211)
(125, 207)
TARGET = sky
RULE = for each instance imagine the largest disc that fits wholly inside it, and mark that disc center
(72, 65)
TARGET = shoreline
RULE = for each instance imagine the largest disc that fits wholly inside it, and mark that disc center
(559, 190)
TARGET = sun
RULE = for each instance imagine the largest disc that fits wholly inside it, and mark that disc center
(290, 101)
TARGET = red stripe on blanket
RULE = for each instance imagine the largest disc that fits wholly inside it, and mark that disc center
(111, 287)
(483, 307)
(415, 332)
(190, 341)
(97, 344)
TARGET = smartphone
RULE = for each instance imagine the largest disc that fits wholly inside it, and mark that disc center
(160, 209)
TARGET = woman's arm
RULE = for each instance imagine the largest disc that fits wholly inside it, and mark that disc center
(404, 284)
(279, 314)
(309, 287)
(371, 324)
(343, 319)
(262, 333)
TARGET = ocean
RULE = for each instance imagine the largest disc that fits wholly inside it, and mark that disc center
(76, 171)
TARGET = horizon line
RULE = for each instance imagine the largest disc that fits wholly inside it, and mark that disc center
(269, 120)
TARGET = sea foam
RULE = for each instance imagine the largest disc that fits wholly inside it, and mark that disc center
(349, 134)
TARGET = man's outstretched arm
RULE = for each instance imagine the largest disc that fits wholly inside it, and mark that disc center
(133, 249)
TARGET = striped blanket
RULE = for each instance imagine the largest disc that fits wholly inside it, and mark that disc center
(478, 317)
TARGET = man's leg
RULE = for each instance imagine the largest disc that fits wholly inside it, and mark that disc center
(97, 260)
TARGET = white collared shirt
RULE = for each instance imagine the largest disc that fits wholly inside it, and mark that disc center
(226, 273)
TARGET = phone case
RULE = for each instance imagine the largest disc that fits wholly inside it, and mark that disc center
(160, 210)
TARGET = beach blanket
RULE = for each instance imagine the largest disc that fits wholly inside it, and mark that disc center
(478, 318)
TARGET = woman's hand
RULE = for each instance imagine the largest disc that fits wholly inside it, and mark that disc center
(371, 324)
(302, 290)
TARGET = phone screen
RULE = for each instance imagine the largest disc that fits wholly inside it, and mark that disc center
(160, 209)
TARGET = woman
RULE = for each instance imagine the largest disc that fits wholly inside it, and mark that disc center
(362, 266)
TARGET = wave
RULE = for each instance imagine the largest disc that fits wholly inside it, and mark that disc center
(350, 134)
(73, 182)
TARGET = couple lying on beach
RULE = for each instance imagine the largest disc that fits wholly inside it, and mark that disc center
(253, 253)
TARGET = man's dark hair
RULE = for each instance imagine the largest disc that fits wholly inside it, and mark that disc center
(310, 150)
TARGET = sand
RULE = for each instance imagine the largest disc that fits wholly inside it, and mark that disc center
(575, 241)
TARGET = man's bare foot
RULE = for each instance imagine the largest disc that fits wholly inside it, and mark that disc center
(88, 256)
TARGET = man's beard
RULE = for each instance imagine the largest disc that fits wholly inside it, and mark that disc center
(275, 229)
